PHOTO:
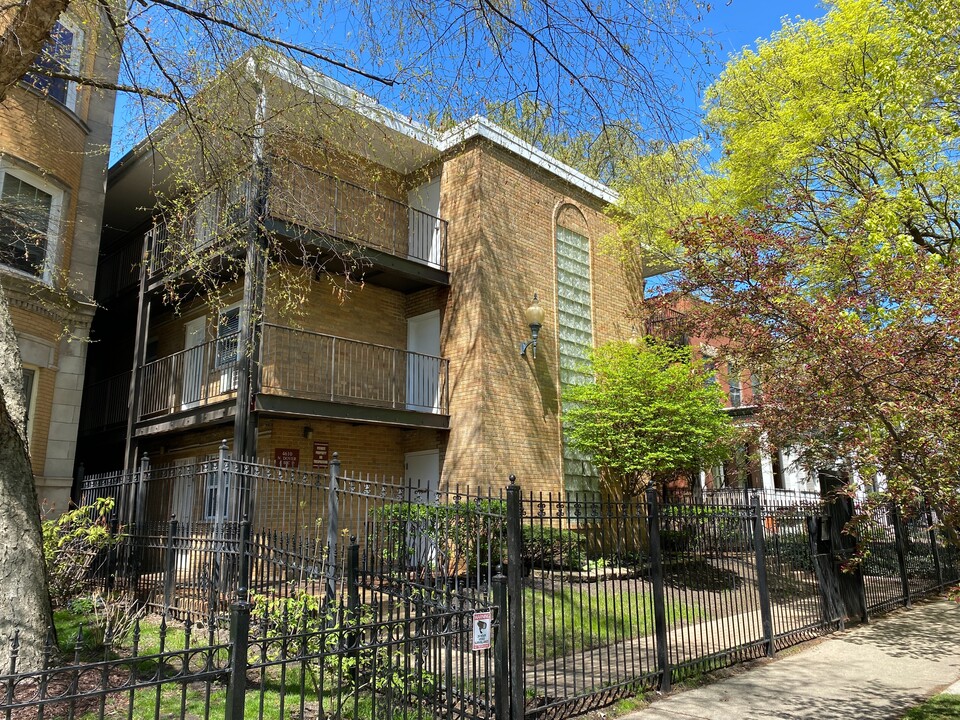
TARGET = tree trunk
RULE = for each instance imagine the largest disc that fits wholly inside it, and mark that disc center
(24, 597)
(24, 28)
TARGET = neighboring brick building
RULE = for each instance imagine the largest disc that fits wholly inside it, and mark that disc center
(752, 466)
(417, 373)
(54, 141)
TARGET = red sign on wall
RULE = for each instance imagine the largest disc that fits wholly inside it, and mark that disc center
(321, 454)
(286, 457)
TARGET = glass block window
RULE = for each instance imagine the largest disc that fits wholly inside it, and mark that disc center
(576, 340)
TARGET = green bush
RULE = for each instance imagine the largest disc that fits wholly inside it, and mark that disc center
(677, 540)
(549, 548)
(453, 539)
(791, 549)
(74, 544)
(707, 527)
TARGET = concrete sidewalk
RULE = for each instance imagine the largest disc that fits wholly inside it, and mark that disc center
(870, 672)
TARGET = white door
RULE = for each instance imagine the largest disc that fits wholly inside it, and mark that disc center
(422, 473)
(192, 363)
(423, 362)
(424, 222)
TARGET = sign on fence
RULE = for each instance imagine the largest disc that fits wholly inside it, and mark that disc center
(481, 630)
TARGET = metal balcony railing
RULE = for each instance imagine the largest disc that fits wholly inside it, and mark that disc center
(308, 199)
(344, 210)
(299, 364)
(120, 270)
(310, 365)
(191, 378)
(105, 403)
(666, 324)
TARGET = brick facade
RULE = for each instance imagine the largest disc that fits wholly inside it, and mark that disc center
(505, 409)
(502, 209)
(64, 149)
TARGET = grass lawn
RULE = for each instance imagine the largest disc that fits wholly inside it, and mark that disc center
(939, 707)
(575, 618)
(275, 693)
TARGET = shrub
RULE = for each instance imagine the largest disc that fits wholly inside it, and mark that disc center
(549, 548)
(452, 539)
(791, 549)
(707, 527)
(74, 545)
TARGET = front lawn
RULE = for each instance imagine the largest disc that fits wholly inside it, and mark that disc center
(939, 707)
(574, 618)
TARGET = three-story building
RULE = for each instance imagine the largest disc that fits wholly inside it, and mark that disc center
(403, 354)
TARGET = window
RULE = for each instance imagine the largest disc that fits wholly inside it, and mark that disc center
(228, 336)
(709, 373)
(755, 387)
(29, 396)
(61, 55)
(29, 221)
(213, 508)
(733, 380)
(575, 327)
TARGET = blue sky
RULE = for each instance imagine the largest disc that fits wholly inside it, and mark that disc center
(740, 22)
(734, 24)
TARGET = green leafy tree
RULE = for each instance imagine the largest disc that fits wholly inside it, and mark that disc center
(651, 414)
(835, 265)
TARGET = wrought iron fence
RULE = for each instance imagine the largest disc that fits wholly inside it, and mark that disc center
(294, 659)
(598, 598)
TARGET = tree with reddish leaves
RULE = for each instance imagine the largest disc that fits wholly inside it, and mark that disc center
(858, 352)
(832, 262)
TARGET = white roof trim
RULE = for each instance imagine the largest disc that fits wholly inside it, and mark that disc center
(311, 81)
(479, 126)
(314, 82)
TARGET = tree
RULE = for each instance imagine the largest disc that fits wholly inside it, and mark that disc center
(834, 262)
(589, 61)
(651, 413)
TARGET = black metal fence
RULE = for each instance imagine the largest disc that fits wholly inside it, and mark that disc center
(295, 659)
(590, 598)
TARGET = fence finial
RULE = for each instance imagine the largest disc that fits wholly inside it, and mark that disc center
(513, 479)
(223, 444)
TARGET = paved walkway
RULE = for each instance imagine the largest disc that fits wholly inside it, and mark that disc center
(870, 672)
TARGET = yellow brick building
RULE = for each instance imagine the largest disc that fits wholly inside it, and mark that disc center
(407, 363)
(54, 141)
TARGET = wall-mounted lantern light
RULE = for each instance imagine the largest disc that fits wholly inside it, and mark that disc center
(534, 315)
(308, 432)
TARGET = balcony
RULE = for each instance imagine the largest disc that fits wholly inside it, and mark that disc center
(309, 373)
(192, 386)
(667, 325)
(105, 404)
(119, 271)
(396, 245)
(302, 373)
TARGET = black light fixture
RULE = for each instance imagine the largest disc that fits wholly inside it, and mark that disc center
(307, 432)
(534, 315)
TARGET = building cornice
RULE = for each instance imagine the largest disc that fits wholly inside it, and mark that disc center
(63, 308)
